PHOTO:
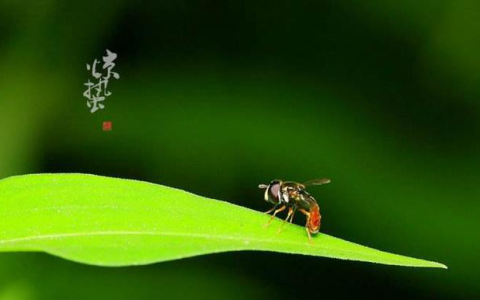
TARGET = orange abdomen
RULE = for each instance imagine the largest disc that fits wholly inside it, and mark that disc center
(315, 219)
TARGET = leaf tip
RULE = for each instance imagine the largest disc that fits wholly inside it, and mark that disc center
(437, 265)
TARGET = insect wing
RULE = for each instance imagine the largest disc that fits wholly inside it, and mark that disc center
(317, 182)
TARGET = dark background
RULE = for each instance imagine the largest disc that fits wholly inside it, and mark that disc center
(216, 97)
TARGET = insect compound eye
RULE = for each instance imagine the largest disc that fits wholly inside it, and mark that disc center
(274, 191)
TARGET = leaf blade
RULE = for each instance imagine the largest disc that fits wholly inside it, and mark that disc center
(116, 222)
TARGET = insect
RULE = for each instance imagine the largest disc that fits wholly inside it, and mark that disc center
(292, 195)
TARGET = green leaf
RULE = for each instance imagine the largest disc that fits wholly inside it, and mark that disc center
(117, 222)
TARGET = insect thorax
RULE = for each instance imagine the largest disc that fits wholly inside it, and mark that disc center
(294, 195)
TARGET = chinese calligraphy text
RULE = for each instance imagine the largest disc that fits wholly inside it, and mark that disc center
(97, 91)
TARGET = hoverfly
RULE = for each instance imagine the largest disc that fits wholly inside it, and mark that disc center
(292, 195)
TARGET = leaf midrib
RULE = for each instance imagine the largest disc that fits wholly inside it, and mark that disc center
(189, 235)
(147, 233)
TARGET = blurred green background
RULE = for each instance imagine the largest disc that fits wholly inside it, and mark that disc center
(216, 97)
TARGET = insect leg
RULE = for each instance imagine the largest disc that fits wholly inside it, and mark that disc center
(306, 213)
(309, 235)
(274, 213)
(293, 214)
(273, 208)
(290, 213)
